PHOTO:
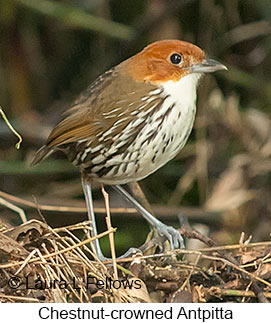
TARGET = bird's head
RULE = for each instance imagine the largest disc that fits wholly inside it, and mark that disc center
(170, 60)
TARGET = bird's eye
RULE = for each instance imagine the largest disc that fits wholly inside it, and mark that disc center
(176, 59)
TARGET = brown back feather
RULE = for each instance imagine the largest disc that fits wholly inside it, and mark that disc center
(113, 96)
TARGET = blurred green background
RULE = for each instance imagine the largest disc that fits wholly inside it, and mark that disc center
(52, 50)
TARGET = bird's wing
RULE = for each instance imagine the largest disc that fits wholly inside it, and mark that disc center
(111, 102)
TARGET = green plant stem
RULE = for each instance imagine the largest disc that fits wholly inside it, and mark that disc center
(76, 17)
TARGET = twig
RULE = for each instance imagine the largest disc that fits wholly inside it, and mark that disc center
(229, 260)
(216, 291)
(160, 210)
(111, 235)
(21, 298)
(39, 210)
(139, 194)
(55, 208)
(11, 128)
(14, 208)
(32, 253)
(8, 265)
(237, 246)
(238, 268)
(191, 271)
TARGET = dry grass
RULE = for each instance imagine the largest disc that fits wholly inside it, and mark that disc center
(34, 255)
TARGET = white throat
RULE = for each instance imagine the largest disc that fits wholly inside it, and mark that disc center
(183, 91)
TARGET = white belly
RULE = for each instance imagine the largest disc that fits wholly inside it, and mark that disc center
(169, 138)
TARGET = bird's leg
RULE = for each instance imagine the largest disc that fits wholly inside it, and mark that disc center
(89, 201)
(139, 195)
(174, 237)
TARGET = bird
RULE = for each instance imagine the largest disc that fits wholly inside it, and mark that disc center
(131, 121)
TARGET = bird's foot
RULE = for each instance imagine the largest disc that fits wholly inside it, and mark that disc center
(173, 236)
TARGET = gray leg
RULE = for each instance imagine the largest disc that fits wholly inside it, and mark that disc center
(91, 216)
(174, 237)
(89, 201)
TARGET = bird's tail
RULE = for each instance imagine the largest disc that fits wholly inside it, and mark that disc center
(41, 154)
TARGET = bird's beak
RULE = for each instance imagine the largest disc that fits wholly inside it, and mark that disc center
(208, 66)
